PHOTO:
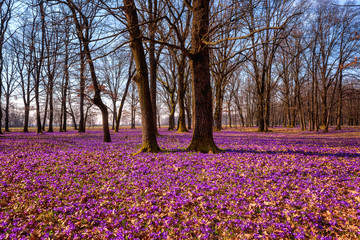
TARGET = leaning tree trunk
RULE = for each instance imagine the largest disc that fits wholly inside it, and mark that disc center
(202, 140)
(149, 142)
(118, 117)
(97, 97)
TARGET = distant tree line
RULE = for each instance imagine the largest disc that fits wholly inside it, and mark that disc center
(198, 64)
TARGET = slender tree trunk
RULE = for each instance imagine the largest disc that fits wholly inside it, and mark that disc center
(152, 59)
(133, 117)
(82, 122)
(26, 117)
(181, 95)
(339, 109)
(202, 140)
(114, 115)
(149, 142)
(229, 113)
(324, 115)
(46, 109)
(97, 98)
(72, 114)
(218, 105)
(7, 107)
(1, 69)
(118, 118)
(172, 112)
(51, 106)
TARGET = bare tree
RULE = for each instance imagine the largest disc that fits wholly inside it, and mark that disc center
(5, 15)
(83, 15)
(142, 79)
(9, 82)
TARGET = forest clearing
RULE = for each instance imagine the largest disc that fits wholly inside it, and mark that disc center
(287, 184)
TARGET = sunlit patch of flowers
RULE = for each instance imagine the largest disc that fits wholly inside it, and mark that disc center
(296, 185)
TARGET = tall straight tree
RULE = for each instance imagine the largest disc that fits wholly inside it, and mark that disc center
(38, 63)
(149, 142)
(202, 139)
(5, 15)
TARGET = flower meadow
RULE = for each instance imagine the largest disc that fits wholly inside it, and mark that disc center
(285, 184)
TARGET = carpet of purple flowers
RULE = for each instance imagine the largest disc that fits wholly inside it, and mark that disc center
(283, 184)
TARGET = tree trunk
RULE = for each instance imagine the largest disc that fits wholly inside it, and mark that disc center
(149, 142)
(218, 105)
(26, 117)
(118, 118)
(181, 95)
(82, 122)
(45, 110)
(132, 117)
(339, 109)
(229, 113)
(172, 112)
(51, 106)
(7, 107)
(202, 140)
(152, 59)
(114, 114)
(65, 88)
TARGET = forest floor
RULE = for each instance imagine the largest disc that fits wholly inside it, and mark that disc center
(283, 184)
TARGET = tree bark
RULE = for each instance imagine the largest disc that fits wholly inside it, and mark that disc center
(172, 111)
(202, 140)
(218, 105)
(82, 122)
(149, 142)
(152, 59)
(7, 106)
(85, 40)
(118, 118)
(181, 94)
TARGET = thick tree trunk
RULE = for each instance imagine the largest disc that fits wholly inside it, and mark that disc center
(149, 142)
(202, 140)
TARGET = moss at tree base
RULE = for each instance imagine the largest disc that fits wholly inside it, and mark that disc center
(149, 148)
(203, 145)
